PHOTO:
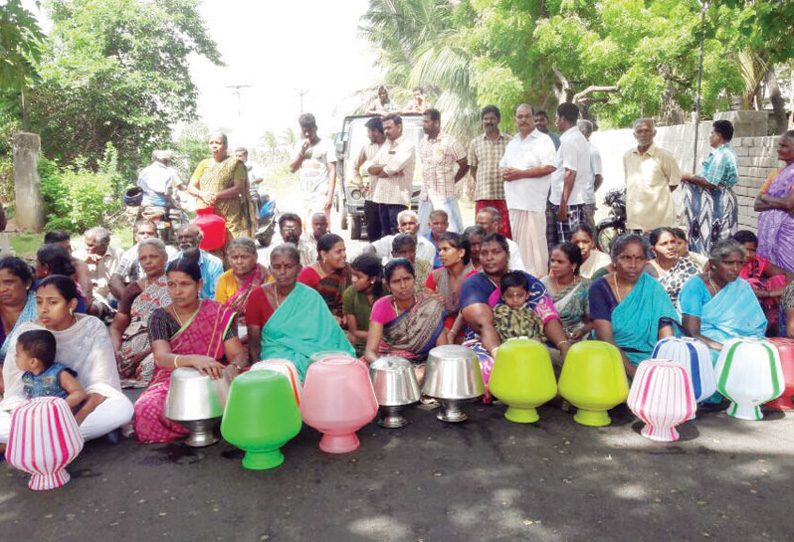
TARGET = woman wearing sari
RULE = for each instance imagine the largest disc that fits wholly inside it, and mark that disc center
(404, 324)
(453, 250)
(592, 258)
(481, 292)
(129, 330)
(289, 320)
(720, 305)
(330, 276)
(188, 332)
(474, 236)
(776, 205)
(628, 306)
(83, 345)
(568, 290)
(711, 209)
(221, 182)
(17, 300)
(668, 267)
(235, 285)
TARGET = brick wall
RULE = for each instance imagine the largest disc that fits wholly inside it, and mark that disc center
(757, 159)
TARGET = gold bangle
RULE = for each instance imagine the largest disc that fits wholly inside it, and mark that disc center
(563, 341)
(176, 361)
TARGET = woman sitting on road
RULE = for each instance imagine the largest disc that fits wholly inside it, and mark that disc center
(55, 260)
(668, 267)
(188, 332)
(330, 276)
(359, 297)
(404, 324)
(628, 307)
(17, 300)
(453, 251)
(129, 330)
(404, 246)
(592, 258)
(289, 320)
(568, 290)
(720, 305)
(84, 346)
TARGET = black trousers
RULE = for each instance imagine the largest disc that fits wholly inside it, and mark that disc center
(372, 217)
(388, 217)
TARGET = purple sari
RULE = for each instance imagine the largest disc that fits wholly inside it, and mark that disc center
(776, 227)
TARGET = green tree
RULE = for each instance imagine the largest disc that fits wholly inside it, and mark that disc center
(117, 70)
(20, 49)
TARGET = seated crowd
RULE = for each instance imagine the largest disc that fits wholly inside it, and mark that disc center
(404, 295)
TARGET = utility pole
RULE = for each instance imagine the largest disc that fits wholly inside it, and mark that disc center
(238, 91)
(301, 92)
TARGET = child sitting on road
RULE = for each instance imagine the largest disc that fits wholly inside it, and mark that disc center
(511, 317)
(42, 376)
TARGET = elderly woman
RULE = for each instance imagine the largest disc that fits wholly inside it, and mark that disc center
(17, 299)
(474, 236)
(188, 332)
(246, 275)
(720, 305)
(592, 258)
(404, 324)
(330, 276)
(221, 182)
(129, 330)
(711, 209)
(53, 259)
(290, 320)
(668, 266)
(83, 345)
(776, 205)
(629, 308)
(404, 246)
(456, 267)
(568, 290)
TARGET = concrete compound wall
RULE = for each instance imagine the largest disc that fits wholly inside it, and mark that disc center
(755, 151)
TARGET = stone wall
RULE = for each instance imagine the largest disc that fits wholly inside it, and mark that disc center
(754, 149)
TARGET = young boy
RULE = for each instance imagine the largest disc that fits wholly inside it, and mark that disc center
(511, 317)
(43, 377)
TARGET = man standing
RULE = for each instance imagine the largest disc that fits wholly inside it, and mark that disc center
(570, 189)
(254, 181)
(542, 125)
(485, 152)
(188, 239)
(316, 160)
(102, 261)
(368, 152)
(490, 219)
(394, 166)
(526, 168)
(586, 127)
(408, 224)
(158, 181)
(440, 153)
(651, 176)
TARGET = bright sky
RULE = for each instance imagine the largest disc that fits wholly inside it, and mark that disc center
(279, 49)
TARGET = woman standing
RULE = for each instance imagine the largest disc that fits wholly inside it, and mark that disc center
(221, 182)
(289, 320)
(592, 258)
(776, 205)
(330, 276)
(188, 332)
(711, 209)
(568, 290)
(453, 250)
(83, 345)
(628, 306)
(668, 267)
(130, 328)
(404, 324)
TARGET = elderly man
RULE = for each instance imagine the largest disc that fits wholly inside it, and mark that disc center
(102, 260)
(368, 152)
(596, 178)
(128, 269)
(394, 166)
(440, 153)
(158, 181)
(652, 174)
(485, 152)
(571, 192)
(489, 220)
(289, 231)
(526, 169)
(439, 223)
(316, 160)
(408, 223)
(188, 239)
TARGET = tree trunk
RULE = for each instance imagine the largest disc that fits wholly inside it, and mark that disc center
(778, 102)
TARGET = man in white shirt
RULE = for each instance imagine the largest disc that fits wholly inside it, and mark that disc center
(570, 183)
(158, 180)
(316, 160)
(408, 223)
(491, 219)
(526, 168)
(290, 227)
(394, 166)
(596, 178)
(368, 152)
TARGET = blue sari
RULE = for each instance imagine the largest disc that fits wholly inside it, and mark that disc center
(733, 312)
(635, 321)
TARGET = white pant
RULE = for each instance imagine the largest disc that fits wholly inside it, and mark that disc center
(450, 205)
(109, 415)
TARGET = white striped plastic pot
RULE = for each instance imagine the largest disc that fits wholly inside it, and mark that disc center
(696, 357)
(662, 396)
(44, 439)
(749, 374)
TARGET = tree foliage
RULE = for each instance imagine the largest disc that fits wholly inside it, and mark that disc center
(20, 45)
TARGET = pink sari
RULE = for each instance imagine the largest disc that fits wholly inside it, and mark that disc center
(202, 335)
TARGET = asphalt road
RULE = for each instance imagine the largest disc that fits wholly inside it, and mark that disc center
(486, 479)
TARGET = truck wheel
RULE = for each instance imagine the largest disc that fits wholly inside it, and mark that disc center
(355, 231)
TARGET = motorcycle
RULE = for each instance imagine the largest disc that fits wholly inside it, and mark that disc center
(267, 221)
(615, 223)
(167, 220)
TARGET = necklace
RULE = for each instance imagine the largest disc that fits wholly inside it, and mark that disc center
(275, 292)
(712, 285)
(617, 288)
(397, 309)
(178, 319)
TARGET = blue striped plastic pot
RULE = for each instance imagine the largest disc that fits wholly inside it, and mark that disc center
(696, 357)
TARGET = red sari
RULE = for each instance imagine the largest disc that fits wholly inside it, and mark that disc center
(203, 335)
